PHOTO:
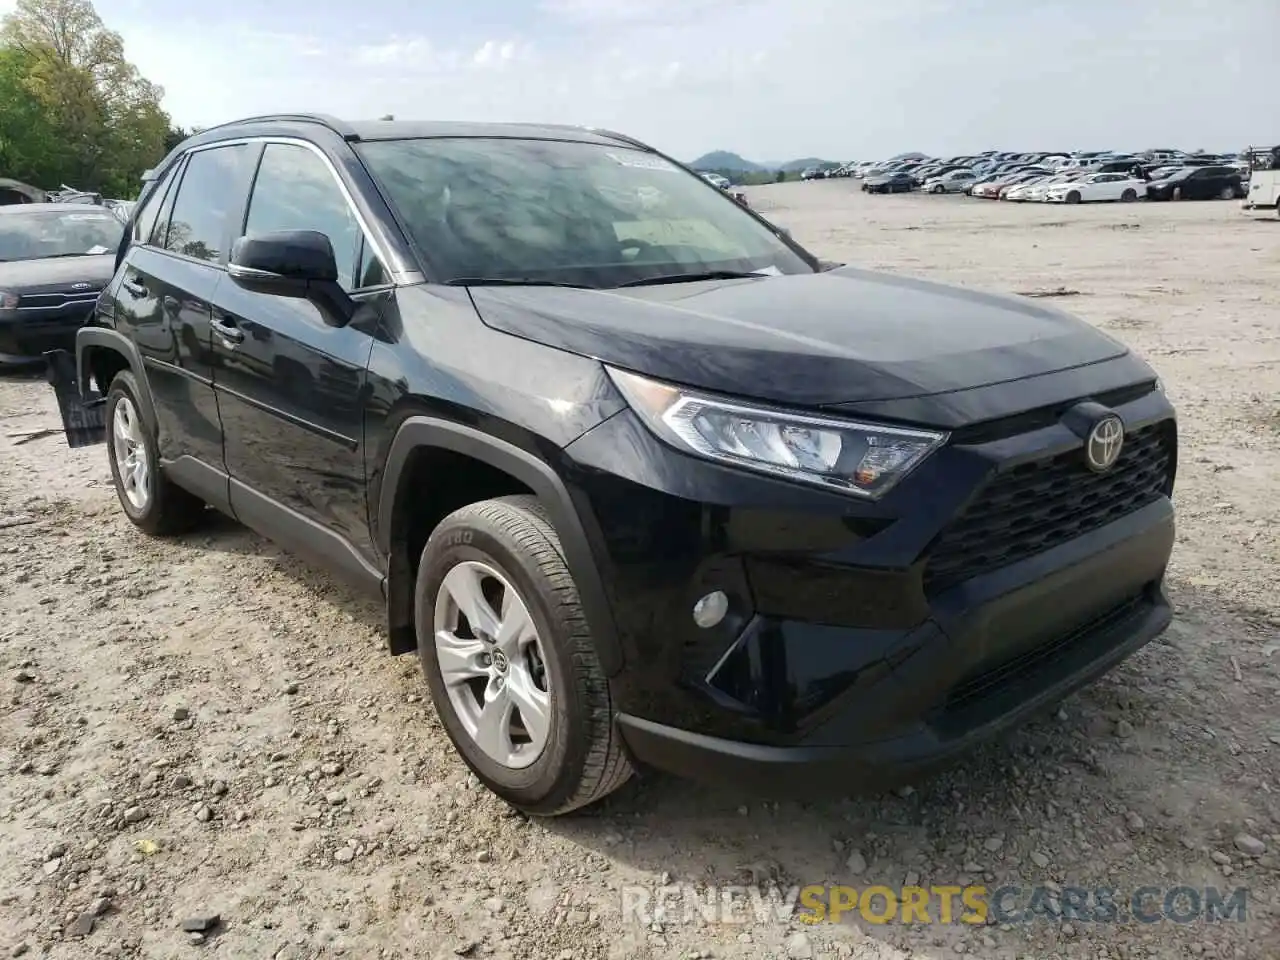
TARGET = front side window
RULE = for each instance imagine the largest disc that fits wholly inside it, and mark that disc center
(566, 212)
(295, 190)
(38, 234)
(209, 193)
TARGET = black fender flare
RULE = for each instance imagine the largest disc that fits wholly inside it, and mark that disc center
(421, 431)
(91, 338)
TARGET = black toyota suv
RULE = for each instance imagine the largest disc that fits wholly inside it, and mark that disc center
(641, 480)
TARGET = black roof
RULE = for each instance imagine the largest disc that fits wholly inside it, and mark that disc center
(302, 124)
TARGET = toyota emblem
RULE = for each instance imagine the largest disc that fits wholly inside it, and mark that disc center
(1102, 448)
(81, 286)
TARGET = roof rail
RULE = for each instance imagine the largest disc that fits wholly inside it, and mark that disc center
(340, 127)
(598, 131)
(622, 138)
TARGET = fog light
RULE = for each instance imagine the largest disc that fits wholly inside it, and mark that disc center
(710, 610)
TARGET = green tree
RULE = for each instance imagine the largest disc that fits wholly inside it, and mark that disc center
(30, 148)
(107, 114)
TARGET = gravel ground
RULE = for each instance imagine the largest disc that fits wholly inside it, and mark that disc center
(205, 726)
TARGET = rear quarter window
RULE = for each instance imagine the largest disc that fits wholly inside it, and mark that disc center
(144, 221)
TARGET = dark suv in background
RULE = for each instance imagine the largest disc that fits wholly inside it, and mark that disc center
(640, 479)
(1198, 183)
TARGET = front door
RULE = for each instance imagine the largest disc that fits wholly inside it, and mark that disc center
(290, 385)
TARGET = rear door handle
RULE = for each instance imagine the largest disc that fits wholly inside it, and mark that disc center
(134, 287)
(226, 328)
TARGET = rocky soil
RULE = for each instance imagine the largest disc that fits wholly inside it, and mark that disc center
(204, 749)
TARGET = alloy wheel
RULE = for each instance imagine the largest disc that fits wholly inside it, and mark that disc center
(492, 663)
(128, 446)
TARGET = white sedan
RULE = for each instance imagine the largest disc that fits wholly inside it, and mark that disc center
(1023, 191)
(1098, 187)
(1037, 190)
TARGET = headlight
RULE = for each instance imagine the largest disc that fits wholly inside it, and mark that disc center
(8, 301)
(857, 458)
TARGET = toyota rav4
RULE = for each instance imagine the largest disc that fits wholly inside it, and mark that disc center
(641, 481)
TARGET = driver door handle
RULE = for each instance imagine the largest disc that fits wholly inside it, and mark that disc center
(134, 287)
(226, 328)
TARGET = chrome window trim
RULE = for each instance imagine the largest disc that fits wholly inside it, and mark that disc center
(400, 273)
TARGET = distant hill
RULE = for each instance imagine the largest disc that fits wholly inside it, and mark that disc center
(791, 166)
(724, 160)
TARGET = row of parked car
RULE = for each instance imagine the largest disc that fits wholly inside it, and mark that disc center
(1085, 177)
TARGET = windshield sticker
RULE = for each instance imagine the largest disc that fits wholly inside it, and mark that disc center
(86, 216)
(98, 249)
(641, 161)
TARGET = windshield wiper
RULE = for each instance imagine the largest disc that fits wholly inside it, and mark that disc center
(691, 277)
(511, 282)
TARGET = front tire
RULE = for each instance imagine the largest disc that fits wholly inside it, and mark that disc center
(520, 692)
(1073, 196)
(1227, 193)
(149, 499)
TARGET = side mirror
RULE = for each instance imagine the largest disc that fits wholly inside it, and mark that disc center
(292, 263)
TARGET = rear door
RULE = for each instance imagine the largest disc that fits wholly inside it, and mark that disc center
(163, 302)
(1201, 184)
(291, 386)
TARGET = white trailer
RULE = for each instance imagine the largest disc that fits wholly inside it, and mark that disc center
(1263, 196)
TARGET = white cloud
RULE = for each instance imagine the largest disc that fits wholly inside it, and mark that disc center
(395, 51)
(495, 53)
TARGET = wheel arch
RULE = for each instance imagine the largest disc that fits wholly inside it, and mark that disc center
(99, 349)
(419, 434)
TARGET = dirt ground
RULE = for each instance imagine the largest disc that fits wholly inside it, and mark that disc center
(206, 726)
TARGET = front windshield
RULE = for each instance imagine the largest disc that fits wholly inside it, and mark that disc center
(566, 212)
(33, 234)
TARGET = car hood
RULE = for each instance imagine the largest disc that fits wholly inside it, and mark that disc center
(57, 274)
(840, 336)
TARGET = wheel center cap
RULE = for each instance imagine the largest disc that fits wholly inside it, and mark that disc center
(499, 661)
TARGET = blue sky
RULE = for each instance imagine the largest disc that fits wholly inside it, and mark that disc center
(770, 79)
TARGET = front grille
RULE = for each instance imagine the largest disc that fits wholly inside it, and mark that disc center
(1043, 503)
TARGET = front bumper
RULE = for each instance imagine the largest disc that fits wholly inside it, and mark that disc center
(26, 335)
(866, 642)
(937, 710)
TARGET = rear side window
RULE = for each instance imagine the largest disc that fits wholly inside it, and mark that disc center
(145, 220)
(209, 193)
(161, 226)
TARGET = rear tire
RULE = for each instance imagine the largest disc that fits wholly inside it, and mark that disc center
(568, 753)
(1129, 195)
(149, 499)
